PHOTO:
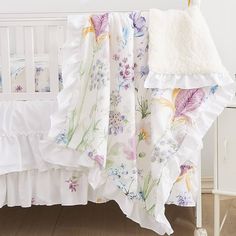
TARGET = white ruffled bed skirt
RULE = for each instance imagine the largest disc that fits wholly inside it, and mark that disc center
(65, 187)
(26, 179)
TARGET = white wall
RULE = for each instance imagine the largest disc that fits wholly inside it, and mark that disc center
(220, 16)
(84, 5)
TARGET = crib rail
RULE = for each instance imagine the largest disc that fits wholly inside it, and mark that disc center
(29, 38)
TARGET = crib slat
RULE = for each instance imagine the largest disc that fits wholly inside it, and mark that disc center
(39, 39)
(12, 37)
(53, 59)
(61, 39)
(5, 60)
(46, 38)
(19, 40)
(29, 59)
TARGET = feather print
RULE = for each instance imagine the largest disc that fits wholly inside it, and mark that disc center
(165, 102)
(175, 93)
(125, 33)
(188, 100)
(100, 23)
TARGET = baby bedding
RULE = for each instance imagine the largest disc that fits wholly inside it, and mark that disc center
(140, 91)
(26, 179)
(24, 175)
(42, 79)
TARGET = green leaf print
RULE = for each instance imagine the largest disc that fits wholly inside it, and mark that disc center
(148, 186)
(143, 107)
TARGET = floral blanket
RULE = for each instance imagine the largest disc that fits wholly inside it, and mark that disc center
(135, 144)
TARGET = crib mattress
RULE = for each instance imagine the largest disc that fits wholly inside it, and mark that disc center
(26, 179)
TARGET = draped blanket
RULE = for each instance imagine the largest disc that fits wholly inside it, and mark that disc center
(133, 132)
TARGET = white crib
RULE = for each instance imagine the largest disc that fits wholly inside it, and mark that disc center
(30, 36)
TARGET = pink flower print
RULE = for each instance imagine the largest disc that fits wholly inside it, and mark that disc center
(126, 72)
(73, 183)
(130, 149)
(100, 23)
(99, 159)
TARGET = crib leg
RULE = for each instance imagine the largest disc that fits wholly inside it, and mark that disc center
(216, 215)
(199, 231)
(199, 211)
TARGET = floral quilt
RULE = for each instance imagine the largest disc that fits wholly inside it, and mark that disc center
(141, 143)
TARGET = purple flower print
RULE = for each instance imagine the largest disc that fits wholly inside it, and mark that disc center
(139, 24)
(144, 71)
(184, 169)
(73, 183)
(100, 23)
(116, 122)
(183, 200)
(126, 73)
(18, 88)
(115, 98)
(98, 76)
(90, 154)
(38, 70)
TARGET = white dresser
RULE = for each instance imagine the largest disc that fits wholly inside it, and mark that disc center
(225, 163)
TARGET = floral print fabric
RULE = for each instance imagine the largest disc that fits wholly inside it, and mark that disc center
(142, 140)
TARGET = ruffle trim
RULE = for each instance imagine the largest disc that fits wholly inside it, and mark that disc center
(171, 81)
(21, 152)
(23, 125)
(192, 143)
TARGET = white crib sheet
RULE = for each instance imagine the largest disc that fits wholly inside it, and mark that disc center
(25, 179)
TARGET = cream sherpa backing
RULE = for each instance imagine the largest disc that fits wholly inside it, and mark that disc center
(180, 43)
